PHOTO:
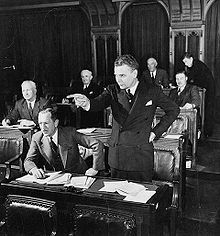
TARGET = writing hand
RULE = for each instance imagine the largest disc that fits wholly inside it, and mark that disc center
(37, 173)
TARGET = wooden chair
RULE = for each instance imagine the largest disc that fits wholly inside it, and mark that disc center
(170, 168)
(202, 92)
(101, 221)
(11, 155)
(30, 216)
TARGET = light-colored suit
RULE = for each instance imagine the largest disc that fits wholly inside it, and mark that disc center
(40, 154)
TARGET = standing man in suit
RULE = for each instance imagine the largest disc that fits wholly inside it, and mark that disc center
(26, 109)
(133, 105)
(186, 96)
(56, 148)
(199, 74)
(154, 75)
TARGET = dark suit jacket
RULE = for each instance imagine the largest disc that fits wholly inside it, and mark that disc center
(40, 153)
(129, 148)
(21, 111)
(160, 79)
(90, 119)
(190, 94)
(92, 91)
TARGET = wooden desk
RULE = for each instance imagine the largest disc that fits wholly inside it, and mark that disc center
(16, 132)
(148, 217)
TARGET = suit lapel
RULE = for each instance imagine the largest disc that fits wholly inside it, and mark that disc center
(63, 147)
(46, 150)
(26, 110)
(139, 100)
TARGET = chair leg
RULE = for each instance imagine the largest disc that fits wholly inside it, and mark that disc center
(173, 221)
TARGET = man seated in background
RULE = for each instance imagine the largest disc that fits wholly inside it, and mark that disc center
(186, 96)
(56, 148)
(155, 75)
(26, 109)
(90, 90)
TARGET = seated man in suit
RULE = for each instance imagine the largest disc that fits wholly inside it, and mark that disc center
(26, 109)
(186, 96)
(154, 75)
(56, 148)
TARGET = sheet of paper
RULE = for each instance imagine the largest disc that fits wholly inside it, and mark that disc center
(31, 179)
(81, 182)
(141, 197)
(86, 131)
(173, 136)
(112, 186)
(130, 189)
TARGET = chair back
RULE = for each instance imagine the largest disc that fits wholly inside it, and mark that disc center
(30, 216)
(202, 92)
(169, 167)
(101, 221)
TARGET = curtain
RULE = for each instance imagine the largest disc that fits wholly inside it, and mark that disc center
(145, 33)
(49, 46)
(212, 43)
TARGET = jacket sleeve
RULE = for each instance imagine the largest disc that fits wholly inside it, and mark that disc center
(195, 97)
(165, 79)
(33, 154)
(171, 112)
(96, 146)
(14, 115)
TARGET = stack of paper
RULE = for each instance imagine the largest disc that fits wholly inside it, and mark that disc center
(81, 182)
(53, 178)
(134, 192)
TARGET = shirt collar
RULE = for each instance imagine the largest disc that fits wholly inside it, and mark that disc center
(32, 103)
(55, 137)
(133, 89)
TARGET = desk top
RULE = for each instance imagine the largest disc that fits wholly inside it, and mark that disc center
(91, 193)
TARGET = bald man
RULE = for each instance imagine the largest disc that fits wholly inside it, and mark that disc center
(154, 75)
(26, 109)
(91, 90)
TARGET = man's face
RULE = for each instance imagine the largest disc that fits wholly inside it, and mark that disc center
(188, 61)
(28, 92)
(125, 76)
(151, 65)
(86, 77)
(181, 80)
(47, 125)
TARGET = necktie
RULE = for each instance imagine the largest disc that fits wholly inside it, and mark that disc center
(178, 92)
(30, 108)
(56, 162)
(152, 78)
(130, 95)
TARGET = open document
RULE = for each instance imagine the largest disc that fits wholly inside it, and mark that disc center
(81, 182)
(132, 191)
(51, 178)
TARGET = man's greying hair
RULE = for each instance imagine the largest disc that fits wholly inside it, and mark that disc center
(52, 111)
(32, 83)
(128, 60)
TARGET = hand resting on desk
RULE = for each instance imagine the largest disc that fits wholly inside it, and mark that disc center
(40, 174)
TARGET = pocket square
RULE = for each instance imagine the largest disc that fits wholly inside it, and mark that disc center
(91, 92)
(149, 103)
